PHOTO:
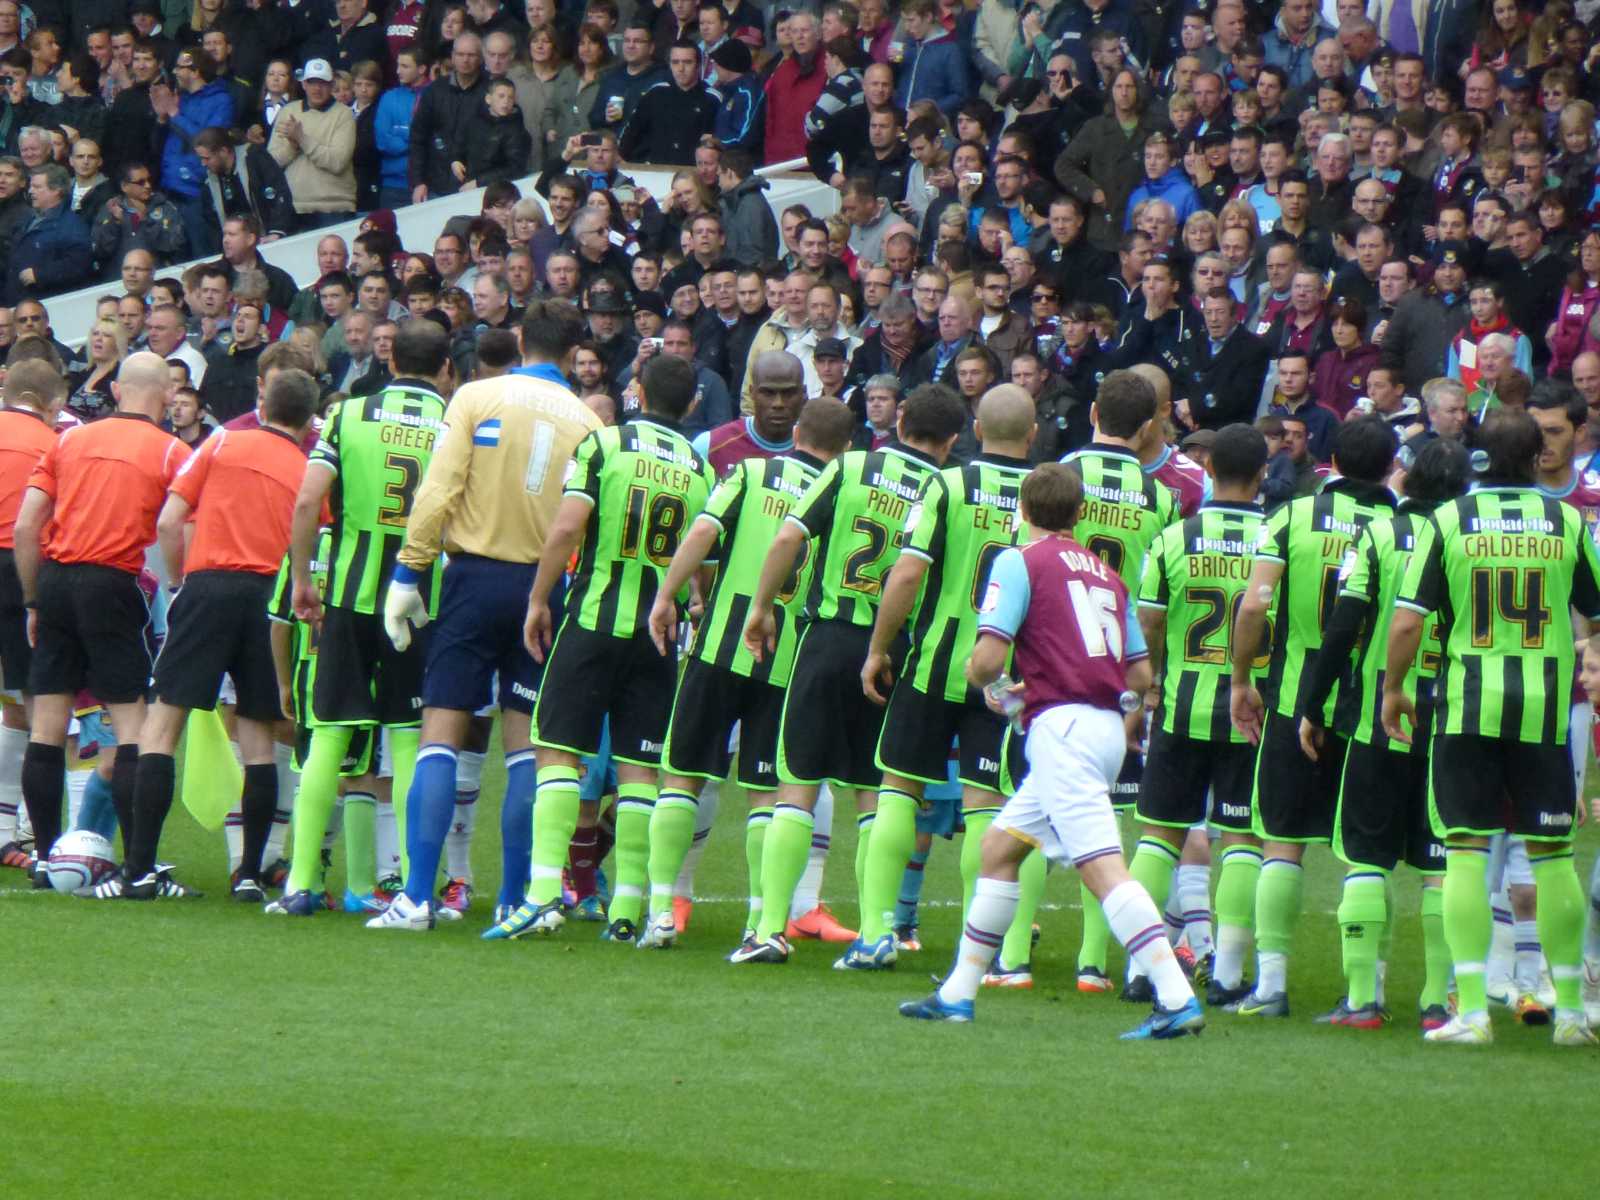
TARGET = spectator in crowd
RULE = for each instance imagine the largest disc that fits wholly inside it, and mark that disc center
(240, 180)
(620, 88)
(200, 101)
(51, 251)
(139, 218)
(314, 141)
(671, 116)
(440, 120)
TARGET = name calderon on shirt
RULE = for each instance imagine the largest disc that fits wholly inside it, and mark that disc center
(1513, 537)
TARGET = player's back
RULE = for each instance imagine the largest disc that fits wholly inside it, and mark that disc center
(1184, 477)
(967, 515)
(1071, 646)
(858, 509)
(1123, 508)
(24, 438)
(645, 483)
(1373, 571)
(1310, 536)
(1198, 571)
(1502, 566)
(511, 441)
(750, 505)
(380, 447)
(109, 480)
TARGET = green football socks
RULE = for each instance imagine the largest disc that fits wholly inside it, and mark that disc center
(1363, 913)
(555, 818)
(1561, 914)
(894, 838)
(634, 804)
(783, 861)
(755, 840)
(1468, 925)
(671, 835)
(360, 842)
(319, 788)
(1017, 949)
(1435, 951)
(403, 747)
(1096, 933)
(977, 821)
(1152, 866)
(1236, 907)
(1278, 894)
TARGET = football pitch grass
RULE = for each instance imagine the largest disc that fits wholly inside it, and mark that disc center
(201, 1049)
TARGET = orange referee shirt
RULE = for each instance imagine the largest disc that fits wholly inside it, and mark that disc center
(241, 484)
(109, 480)
(24, 438)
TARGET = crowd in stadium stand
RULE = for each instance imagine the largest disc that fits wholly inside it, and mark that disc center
(1299, 212)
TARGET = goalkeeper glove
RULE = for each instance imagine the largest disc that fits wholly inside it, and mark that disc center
(403, 610)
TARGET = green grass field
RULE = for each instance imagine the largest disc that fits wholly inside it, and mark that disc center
(202, 1049)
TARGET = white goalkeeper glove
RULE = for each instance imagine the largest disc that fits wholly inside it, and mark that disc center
(403, 610)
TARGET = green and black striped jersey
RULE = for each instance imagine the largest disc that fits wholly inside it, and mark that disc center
(1309, 538)
(965, 517)
(748, 507)
(1123, 509)
(379, 448)
(302, 637)
(1501, 567)
(857, 510)
(1197, 572)
(644, 482)
(1372, 573)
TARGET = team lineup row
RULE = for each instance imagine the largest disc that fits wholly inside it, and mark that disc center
(851, 606)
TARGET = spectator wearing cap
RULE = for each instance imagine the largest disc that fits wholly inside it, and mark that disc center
(439, 123)
(1426, 320)
(353, 35)
(741, 122)
(829, 362)
(606, 307)
(200, 102)
(671, 116)
(793, 89)
(649, 313)
(314, 141)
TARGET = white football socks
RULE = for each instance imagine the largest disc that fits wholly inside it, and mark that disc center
(1134, 921)
(458, 842)
(809, 892)
(994, 903)
(13, 745)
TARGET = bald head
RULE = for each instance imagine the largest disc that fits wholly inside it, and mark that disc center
(141, 385)
(777, 367)
(1156, 378)
(1006, 419)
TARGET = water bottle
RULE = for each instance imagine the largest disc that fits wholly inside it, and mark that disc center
(1010, 703)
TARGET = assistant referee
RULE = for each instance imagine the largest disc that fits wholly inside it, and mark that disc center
(488, 500)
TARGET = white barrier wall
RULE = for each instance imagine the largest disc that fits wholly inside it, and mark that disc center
(418, 224)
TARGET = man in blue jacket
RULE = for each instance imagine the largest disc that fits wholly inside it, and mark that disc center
(932, 64)
(51, 251)
(742, 120)
(1163, 180)
(391, 128)
(200, 102)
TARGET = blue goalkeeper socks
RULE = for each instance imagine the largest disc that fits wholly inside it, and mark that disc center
(430, 805)
(97, 814)
(516, 828)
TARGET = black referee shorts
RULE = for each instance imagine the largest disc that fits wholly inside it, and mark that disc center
(91, 626)
(830, 729)
(709, 703)
(590, 676)
(1382, 818)
(918, 730)
(361, 678)
(15, 654)
(1294, 797)
(1179, 771)
(1481, 786)
(218, 626)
